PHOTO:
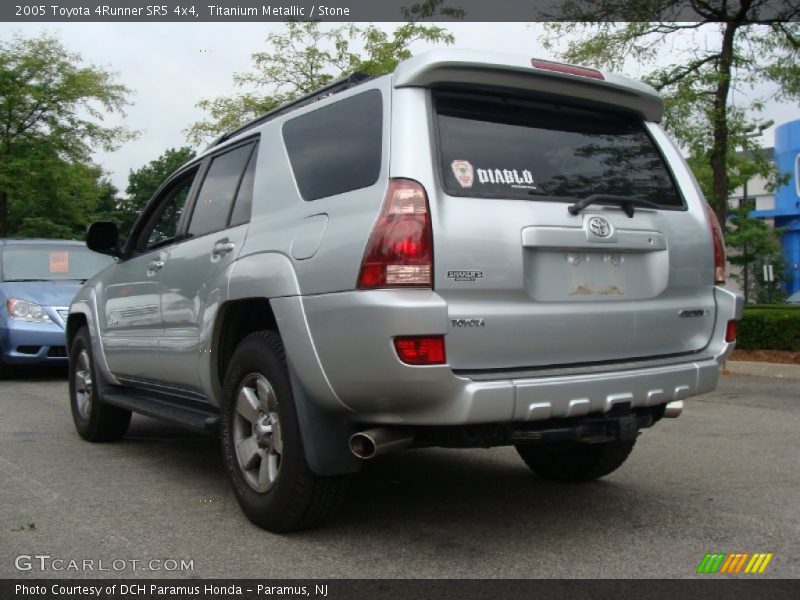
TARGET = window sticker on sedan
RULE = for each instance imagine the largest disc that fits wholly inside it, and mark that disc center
(59, 262)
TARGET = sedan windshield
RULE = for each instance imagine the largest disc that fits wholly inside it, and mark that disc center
(51, 262)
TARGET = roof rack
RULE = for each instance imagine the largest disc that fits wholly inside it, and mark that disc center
(334, 87)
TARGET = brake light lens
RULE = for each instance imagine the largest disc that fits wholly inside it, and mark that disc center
(420, 350)
(400, 249)
(719, 245)
(730, 331)
(558, 67)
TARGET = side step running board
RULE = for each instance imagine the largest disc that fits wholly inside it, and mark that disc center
(184, 413)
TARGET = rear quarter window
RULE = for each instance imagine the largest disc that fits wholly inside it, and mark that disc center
(497, 146)
(337, 148)
(219, 189)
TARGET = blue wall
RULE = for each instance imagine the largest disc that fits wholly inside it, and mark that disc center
(787, 201)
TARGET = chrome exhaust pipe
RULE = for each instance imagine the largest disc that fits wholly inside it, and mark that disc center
(372, 442)
(673, 409)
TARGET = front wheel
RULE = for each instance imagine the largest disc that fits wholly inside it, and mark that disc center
(5, 370)
(261, 443)
(94, 420)
(572, 462)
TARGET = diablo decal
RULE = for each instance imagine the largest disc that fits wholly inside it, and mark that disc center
(513, 177)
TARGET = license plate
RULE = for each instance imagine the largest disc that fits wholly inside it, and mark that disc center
(595, 274)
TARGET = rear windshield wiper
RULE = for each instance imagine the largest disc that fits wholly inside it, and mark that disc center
(625, 202)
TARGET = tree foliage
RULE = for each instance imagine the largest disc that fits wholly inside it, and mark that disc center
(142, 184)
(52, 107)
(307, 56)
(754, 244)
(735, 47)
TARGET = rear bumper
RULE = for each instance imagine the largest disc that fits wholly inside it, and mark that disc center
(352, 335)
(26, 343)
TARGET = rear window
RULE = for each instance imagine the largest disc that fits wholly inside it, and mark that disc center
(337, 148)
(495, 146)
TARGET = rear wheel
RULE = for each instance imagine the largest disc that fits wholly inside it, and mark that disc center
(575, 462)
(261, 443)
(94, 420)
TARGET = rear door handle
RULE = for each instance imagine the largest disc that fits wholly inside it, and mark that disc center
(222, 247)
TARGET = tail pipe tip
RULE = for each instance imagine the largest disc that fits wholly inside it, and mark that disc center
(372, 442)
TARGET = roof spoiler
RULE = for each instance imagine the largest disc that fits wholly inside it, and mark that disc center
(459, 67)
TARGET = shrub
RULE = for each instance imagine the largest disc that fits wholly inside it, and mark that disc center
(769, 328)
(749, 307)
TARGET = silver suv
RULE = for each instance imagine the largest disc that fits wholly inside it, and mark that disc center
(475, 250)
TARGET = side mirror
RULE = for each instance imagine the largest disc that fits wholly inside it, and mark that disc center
(103, 237)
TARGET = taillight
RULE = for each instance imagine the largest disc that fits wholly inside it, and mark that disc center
(719, 245)
(549, 65)
(420, 350)
(400, 250)
(730, 331)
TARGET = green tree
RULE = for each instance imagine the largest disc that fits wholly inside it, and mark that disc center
(754, 244)
(56, 198)
(142, 184)
(51, 118)
(307, 56)
(734, 46)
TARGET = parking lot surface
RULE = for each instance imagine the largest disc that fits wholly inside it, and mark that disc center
(723, 477)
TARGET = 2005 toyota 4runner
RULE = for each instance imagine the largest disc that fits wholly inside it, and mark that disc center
(475, 250)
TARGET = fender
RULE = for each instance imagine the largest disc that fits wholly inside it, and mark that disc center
(320, 412)
(262, 275)
(85, 303)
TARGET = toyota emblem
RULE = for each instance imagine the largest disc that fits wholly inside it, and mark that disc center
(600, 227)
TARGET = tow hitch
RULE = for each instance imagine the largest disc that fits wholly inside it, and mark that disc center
(601, 428)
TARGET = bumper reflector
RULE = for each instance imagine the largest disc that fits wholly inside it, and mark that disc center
(730, 331)
(420, 350)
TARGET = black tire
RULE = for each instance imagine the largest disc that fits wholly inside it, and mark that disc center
(573, 462)
(294, 497)
(5, 370)
(97, 422)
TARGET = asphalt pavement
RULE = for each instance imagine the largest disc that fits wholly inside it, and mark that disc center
(723, 477)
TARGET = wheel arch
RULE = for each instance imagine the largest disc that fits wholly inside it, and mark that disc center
(324, 433)
(75, 321)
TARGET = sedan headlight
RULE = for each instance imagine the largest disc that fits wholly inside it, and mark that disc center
(26, 311)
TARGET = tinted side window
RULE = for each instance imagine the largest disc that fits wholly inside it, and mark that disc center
(163, 226)
(219, 187)
(337, 148)
(495, 146)
(244, 197)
